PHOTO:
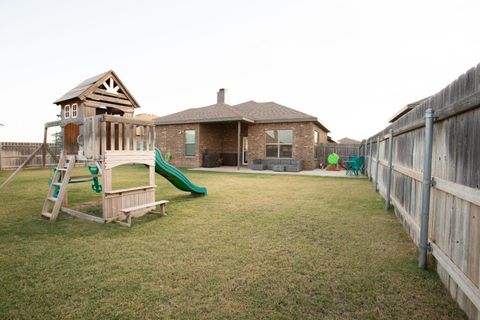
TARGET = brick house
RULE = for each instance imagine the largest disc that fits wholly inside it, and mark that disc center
(240, 133)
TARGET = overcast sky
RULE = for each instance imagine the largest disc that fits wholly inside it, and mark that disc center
(352, 64)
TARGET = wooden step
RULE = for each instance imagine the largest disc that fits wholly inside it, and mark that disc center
(52, 199)
(47, 215)
(57, 184)
(144, 206)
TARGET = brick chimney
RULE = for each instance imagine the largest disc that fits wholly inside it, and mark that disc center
(222, 96)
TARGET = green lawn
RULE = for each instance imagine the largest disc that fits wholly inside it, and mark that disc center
(258, 247)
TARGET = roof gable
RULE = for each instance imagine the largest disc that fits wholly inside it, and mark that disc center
(106, 87)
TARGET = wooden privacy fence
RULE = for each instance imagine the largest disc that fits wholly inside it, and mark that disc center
(13, 154)
(343, 150)
(454, 212)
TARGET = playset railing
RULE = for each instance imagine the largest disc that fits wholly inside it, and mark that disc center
(108, 134)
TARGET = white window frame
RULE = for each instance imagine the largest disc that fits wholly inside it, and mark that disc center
(279, 144)
(66, 112)
(189, 144)
(74, 110)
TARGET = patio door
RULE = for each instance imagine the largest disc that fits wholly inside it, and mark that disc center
(245, 150)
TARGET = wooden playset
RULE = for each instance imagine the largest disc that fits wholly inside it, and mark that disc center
(99, 129)
(100, 132)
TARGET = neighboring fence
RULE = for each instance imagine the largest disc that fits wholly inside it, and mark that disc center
(13, 154)
(454, 215)
(343, 150)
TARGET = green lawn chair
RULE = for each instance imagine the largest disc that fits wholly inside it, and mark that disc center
(356, 164)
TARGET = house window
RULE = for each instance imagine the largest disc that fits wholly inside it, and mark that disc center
(316, 140)
(278, 143)
(189, 142)
(67, 112)
(74, 110)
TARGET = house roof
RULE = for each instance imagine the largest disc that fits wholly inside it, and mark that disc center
(88, 85)
(409, 107)
(215, 113)
(330, 140)
(270, 112)
(349, 141)
(146, 116)
(250, 111)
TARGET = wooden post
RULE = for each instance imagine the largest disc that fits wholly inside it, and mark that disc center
(1, 149)
(238, 145)
(370, 162)
(134, 138)
(151, 175)
(128, 134)
(44, 147)
(113, 132)
(389, 170)
(120, 136)
(154, 137)
(107, 187)
(365, 158)
(104, 138)
(62, 129)
(377, 163)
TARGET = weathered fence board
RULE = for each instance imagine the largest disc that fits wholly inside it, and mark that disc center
(343, 150)
(454, 224)
(13, 154)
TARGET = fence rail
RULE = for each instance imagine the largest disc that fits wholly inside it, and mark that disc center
(13, 154)
(454, 215)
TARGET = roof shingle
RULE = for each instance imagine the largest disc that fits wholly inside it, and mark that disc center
(80, 88)
(250, 111)
(214, 113)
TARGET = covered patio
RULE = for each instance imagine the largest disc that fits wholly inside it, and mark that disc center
(224, 143)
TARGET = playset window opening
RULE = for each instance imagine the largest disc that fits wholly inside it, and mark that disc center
(74, 110)
(67, 111)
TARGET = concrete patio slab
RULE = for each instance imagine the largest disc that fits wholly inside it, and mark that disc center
(315, 172)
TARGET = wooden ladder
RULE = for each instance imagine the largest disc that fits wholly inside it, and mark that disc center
(60, 179)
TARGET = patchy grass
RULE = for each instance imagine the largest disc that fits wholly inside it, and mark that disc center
(259, 246)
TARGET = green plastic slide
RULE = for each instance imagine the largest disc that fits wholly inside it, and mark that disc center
(175, 176)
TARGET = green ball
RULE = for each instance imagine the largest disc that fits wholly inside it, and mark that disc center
(333, 158)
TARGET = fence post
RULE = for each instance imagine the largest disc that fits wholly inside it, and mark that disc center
(427, 183)
(364, 158)
(370, 162)
(1, 151)
(44, 149)
(376, 163)
(368, 158)
(389, 169)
